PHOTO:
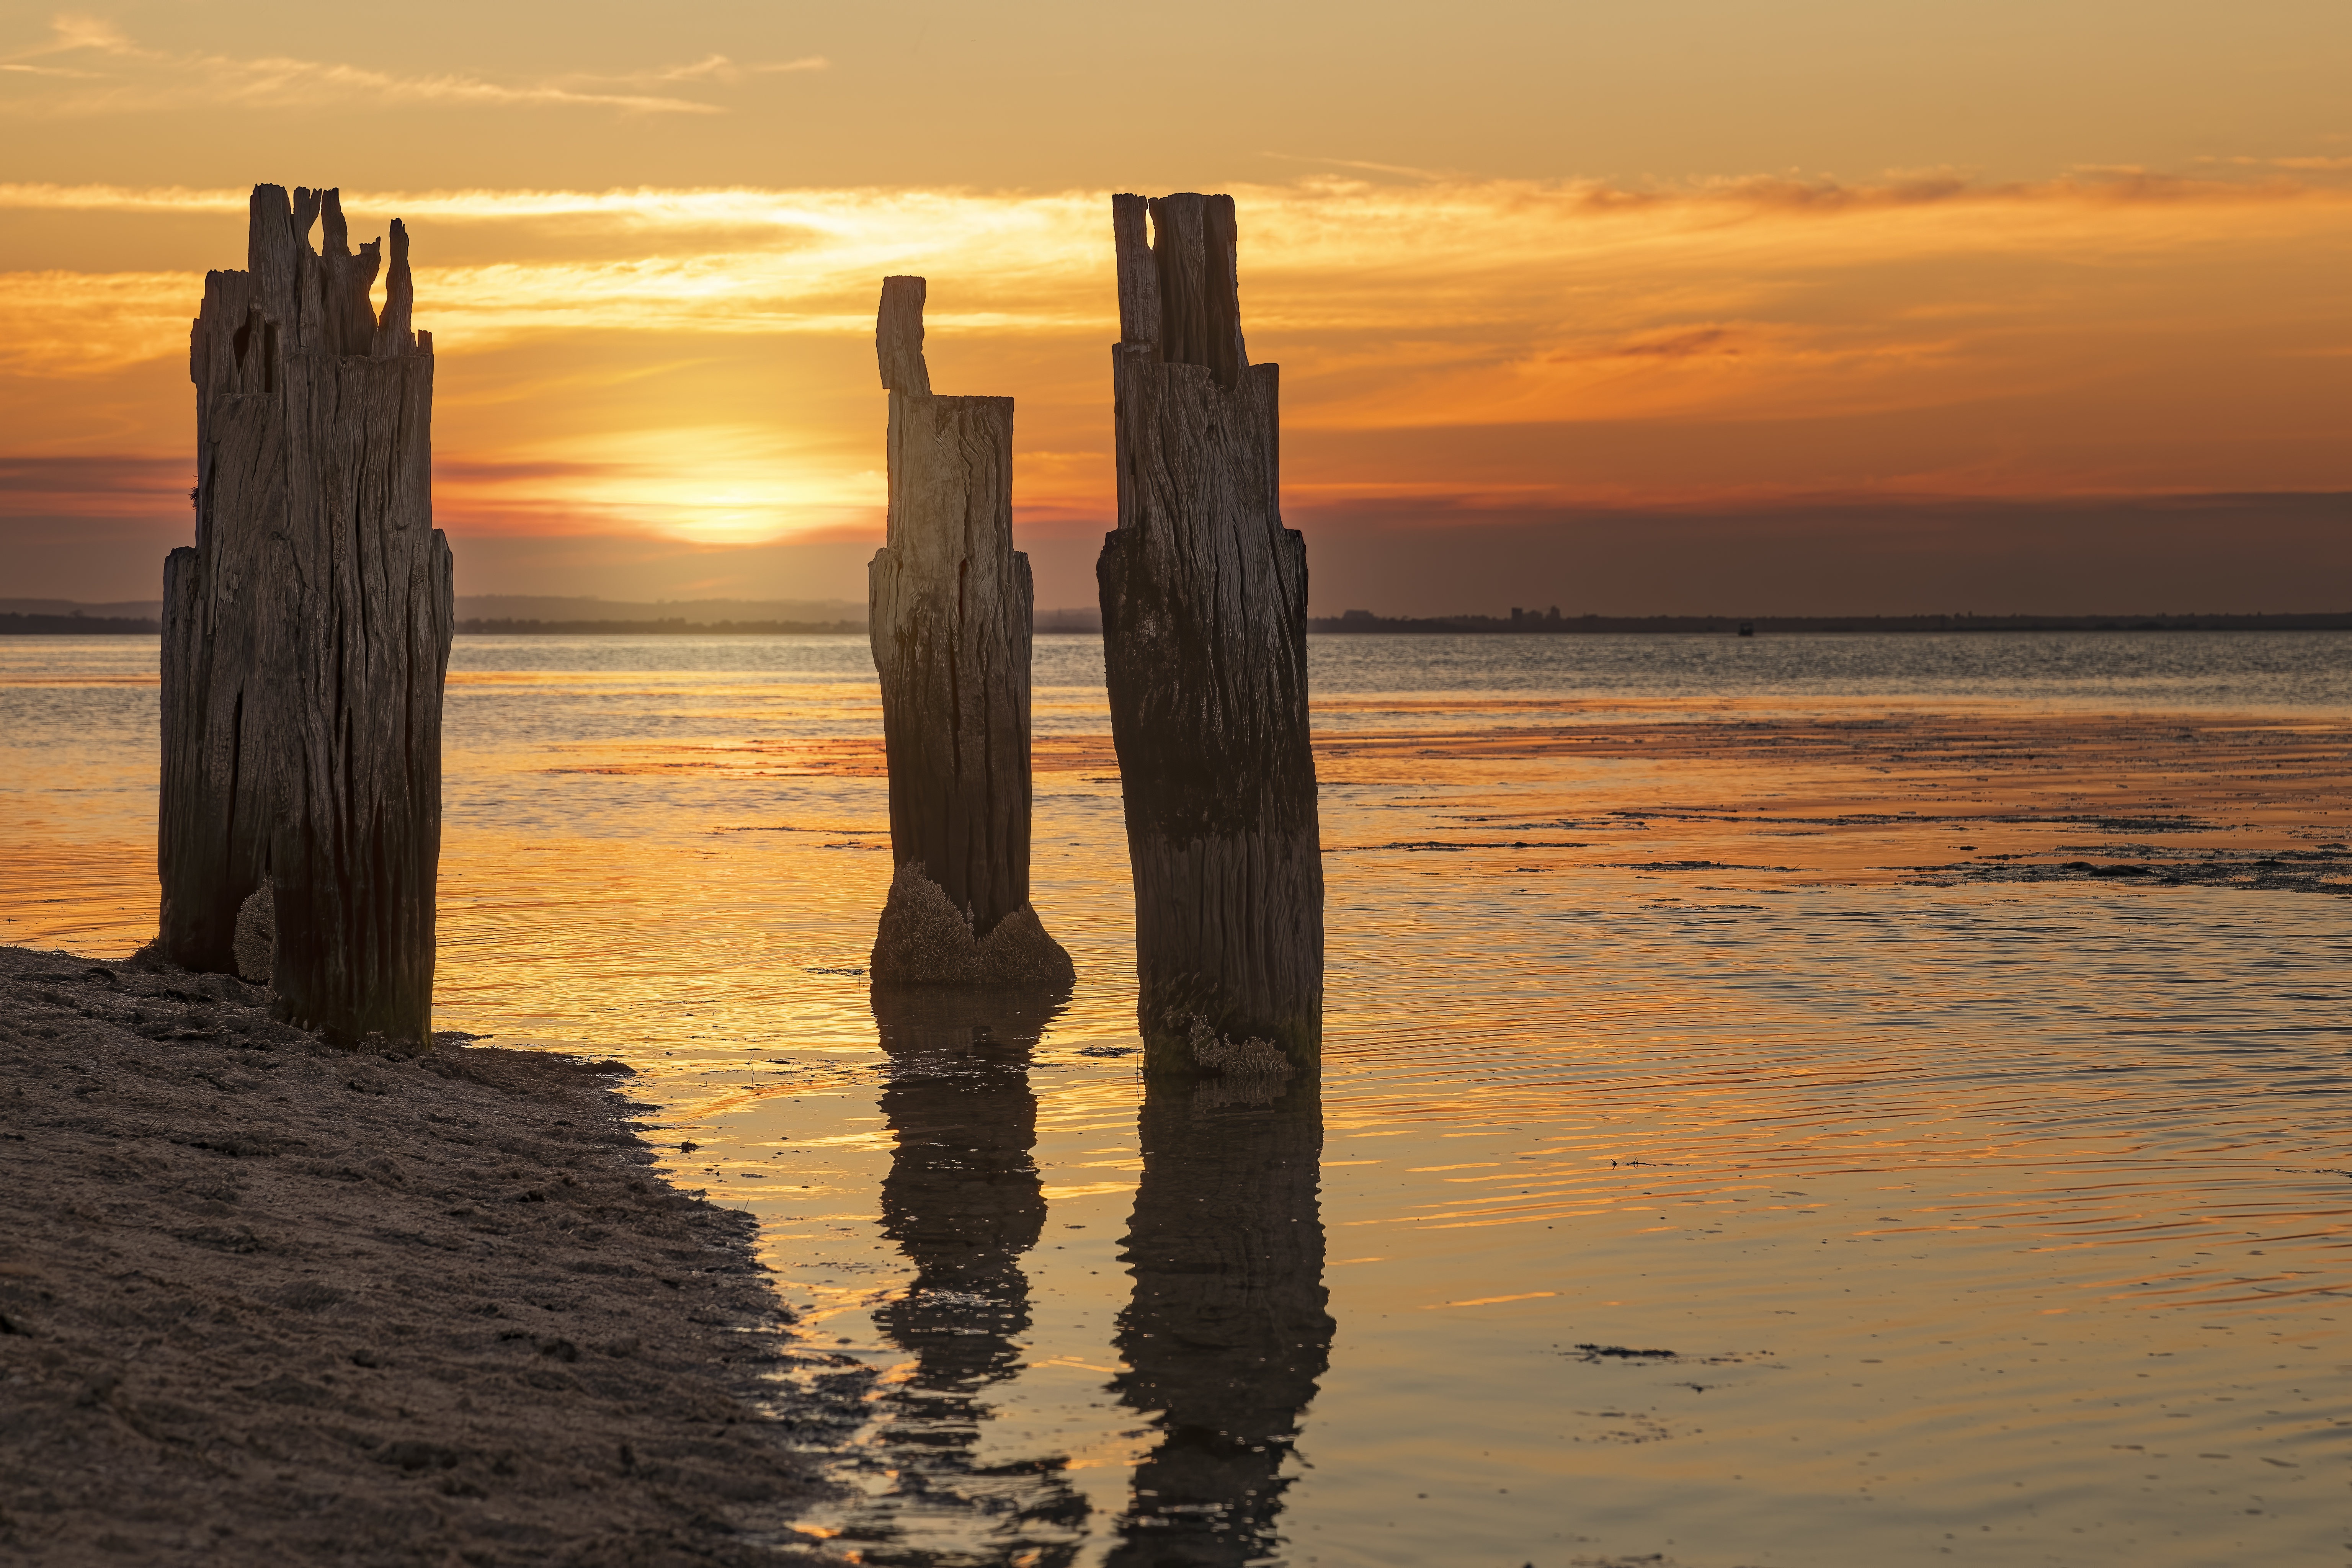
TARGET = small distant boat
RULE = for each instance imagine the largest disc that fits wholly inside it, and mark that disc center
(1747, 629)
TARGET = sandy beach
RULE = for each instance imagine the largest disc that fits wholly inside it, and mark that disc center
(265, 1300)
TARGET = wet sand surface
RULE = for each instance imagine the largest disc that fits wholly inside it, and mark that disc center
(1918, 795)
(1888, 793)
(265, 1300)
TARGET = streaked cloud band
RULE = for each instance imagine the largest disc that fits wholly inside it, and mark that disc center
(2116, 330)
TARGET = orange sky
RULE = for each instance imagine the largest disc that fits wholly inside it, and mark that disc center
(1685, 312)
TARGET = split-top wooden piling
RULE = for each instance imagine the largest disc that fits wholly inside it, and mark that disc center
(1204, 645)
(948, 611)
(307, 633)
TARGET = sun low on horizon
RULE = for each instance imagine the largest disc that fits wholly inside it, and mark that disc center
(1281, 785)
(1824, 309)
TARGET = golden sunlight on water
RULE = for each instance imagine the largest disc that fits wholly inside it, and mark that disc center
(1863, 1105)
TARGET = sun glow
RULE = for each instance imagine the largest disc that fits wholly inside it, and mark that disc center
(692, 363)
(705, 485)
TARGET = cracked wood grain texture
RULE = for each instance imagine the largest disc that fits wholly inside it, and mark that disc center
(307, 633)
(948, 613)
(1204, 643)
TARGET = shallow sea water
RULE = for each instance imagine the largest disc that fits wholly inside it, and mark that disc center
(1990, 1222)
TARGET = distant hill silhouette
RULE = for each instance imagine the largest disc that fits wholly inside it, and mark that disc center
(568, 608)
(1552, 621)
(513, 614)
(553, 615)
(676, 625)
(17, 625)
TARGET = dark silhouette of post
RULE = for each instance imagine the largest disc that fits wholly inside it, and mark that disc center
(1204, 646)
(307, 633)
(964, 1203)
(949, 611)
(1227, 1332)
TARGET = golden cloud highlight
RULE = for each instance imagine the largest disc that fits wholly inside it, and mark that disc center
(1418, 324)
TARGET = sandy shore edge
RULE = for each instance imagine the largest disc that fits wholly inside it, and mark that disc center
(262, 1300)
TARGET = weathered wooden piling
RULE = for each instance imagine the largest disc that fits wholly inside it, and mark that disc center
(1204, 644)
(307, 633)
(948, 611)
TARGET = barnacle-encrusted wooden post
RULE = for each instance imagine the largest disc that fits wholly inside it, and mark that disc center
(949, 613)
(307, 634)
(1204, 644)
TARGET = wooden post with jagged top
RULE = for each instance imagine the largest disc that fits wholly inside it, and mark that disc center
(307, 633)
(1204, 646)
(949, 611)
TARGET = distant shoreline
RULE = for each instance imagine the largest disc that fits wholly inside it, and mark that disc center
(1354, 623)
(671, 626)
(1359, 621)
(78, 625)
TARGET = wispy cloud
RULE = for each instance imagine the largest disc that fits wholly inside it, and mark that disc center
(82, 486)
(1925, 332)
(111, 74)
(1551, 281)
(1405, 169)
(75, 325)
(711, 68)
(1336, 200)
(2312, 163)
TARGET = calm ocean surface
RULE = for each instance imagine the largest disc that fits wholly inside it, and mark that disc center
(1999, 1224)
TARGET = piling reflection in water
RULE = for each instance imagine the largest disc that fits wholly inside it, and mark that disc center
(1227, 1330)
(963, 1201)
